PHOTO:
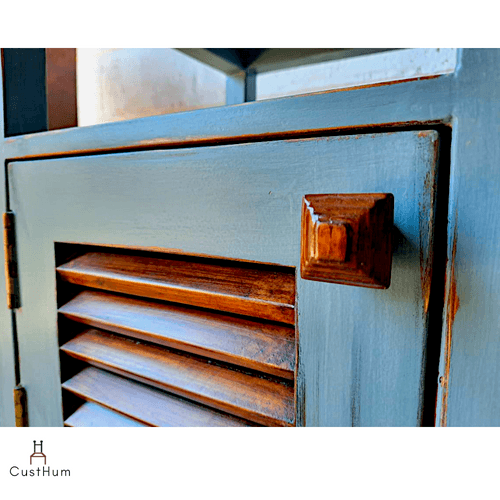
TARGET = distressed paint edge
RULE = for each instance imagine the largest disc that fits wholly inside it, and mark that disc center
(156, 132)
(451, 299)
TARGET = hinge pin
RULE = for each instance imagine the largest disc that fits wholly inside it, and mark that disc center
(11, 274)
(21, 406)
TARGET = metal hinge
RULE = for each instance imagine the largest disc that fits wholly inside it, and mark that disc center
(14, 302)
(21, 406)
(11, 274)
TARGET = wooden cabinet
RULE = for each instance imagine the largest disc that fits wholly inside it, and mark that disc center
(229, 184)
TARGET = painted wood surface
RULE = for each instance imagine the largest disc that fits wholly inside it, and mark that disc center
(470, 361)
(7, 378)
(244, 202)
(467, 100)
(412, 102)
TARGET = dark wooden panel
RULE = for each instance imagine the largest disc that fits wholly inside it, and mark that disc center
(253, 398)
(260, 346)
(93, 415)
(61, 88)
(146, 404)
(224, 287)
(24, 91)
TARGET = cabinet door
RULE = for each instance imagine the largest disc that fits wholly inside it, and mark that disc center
(360, 351)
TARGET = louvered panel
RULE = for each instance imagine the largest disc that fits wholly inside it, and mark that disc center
(177, 340)
(260, 400)
(93, 415)
(252, 290)
(260, 346)
(146, 404)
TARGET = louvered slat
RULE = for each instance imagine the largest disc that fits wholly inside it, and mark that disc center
(261, 346)
(93, 415)
(263, 401)
(231, 287)
(146, 404)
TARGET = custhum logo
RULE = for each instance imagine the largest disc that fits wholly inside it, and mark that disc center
(39, 460)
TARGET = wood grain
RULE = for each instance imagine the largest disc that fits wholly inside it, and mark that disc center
(146, 404)
(260, 400)
(265, 347)
(94, 415)
(347, 238)
(247, 291)
(60, 67)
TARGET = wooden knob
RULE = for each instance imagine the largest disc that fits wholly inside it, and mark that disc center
(347, 238)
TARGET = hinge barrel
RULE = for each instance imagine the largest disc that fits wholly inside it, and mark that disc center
(21, 406)
(11, 272)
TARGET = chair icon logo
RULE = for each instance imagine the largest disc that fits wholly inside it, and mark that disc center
(37, 453)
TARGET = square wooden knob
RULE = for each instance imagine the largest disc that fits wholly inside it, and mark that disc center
(347, 238)
(329, 242)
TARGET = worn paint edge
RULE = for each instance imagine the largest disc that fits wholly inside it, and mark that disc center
(452, 306)
(164, 143)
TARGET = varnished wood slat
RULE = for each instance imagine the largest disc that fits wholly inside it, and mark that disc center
(250, 291)
(265, 347)
(94, 415)
(250, 397)
(146, 404)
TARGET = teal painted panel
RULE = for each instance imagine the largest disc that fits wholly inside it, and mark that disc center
(361, 350)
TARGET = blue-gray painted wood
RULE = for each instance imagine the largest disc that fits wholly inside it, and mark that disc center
(473, 397)
(7, 379)
(418, 101)
(361, 349)
(241, 87)
(235, 88)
